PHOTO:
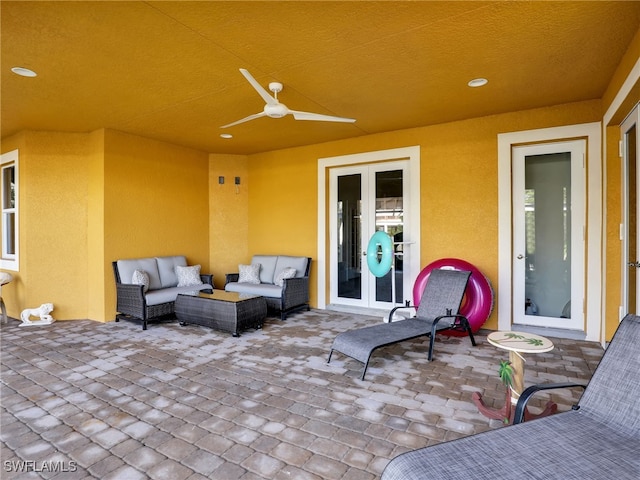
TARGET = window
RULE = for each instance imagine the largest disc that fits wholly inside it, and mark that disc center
(9, 195)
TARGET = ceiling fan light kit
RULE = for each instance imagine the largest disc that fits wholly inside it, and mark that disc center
(274, 109)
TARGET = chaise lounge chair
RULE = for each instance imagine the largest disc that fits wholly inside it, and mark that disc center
(598, 439)
(440, 300)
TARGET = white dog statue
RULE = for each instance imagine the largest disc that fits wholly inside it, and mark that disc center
(43, 312)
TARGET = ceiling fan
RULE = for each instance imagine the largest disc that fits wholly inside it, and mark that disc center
(275, 109)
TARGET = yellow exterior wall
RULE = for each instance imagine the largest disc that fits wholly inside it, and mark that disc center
(98, 277)
(459, 192)
(53, 224)
(613, 245)
(229, 214)
(630, 58)
(156, 202)
(612, 275)
(89, 199)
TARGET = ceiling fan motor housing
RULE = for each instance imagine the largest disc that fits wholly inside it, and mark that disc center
(278, 110)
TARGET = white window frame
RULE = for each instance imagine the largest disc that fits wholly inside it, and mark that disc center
(10, 261)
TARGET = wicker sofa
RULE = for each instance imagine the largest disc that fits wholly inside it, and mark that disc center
(155, 296)
(598, 439)
(292, 295)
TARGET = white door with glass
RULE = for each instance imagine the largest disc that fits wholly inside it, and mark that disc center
(631, 210)
(548, 234)
(365, 199)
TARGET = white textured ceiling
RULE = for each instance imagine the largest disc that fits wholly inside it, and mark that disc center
(169, 70)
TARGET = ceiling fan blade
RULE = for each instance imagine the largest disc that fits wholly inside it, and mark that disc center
(245, 119)
(259, 88)
(319, 117)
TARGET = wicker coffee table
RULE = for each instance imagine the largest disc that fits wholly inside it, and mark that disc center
(227, 311)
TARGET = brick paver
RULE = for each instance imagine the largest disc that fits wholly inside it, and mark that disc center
(114, 402)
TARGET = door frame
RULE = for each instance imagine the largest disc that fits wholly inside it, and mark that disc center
(592, 132)
(412, 212)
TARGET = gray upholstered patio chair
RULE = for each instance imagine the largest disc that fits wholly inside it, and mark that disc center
(599, 438)
(440, 300)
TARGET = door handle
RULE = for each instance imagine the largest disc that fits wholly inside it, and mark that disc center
(520, 257)
(634, 264)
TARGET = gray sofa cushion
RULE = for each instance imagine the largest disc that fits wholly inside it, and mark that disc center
(164, 295)
(167, 269)
(267, 267)
(264, 289)
(149, 265)
(299, 263)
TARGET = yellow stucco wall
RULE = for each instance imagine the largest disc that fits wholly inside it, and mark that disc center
(53, 224)
(613, 245)
(612, 274)
(459, 192)
(229, 215)
(156, 202)
(89, 199)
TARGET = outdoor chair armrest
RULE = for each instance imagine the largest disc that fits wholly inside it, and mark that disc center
(529, 391)
(231, 277)
(130, 299)
(391, 313)
(295, 291)
(207, 278)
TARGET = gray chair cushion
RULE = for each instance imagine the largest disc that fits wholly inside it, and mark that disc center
(299, 263)
(267, 267)
(167, 269)
(164, 295)
(149, 265)
(263, 289)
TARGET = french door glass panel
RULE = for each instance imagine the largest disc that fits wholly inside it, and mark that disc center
(548, 235)
(390, 219)
(349, 239)
(368, 198)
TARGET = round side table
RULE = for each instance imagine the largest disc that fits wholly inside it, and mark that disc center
(517, 344)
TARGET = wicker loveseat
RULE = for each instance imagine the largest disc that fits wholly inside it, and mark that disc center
(292, 295)
(598, 439)
(155, 296)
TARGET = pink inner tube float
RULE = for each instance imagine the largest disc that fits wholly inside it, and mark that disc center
(477, 303)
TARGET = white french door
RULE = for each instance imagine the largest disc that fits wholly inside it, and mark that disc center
(364, 199)
(549, 234)
(631, 211)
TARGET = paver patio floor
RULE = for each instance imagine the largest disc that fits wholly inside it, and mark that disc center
(83, 399)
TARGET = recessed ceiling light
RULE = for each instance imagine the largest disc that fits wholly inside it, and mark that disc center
(478, 82)
(226, 135)
(24, 72)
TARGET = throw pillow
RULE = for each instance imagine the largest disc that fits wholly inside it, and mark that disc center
(188, 276)
(140, 277)
(249, 273)
(285, 273)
